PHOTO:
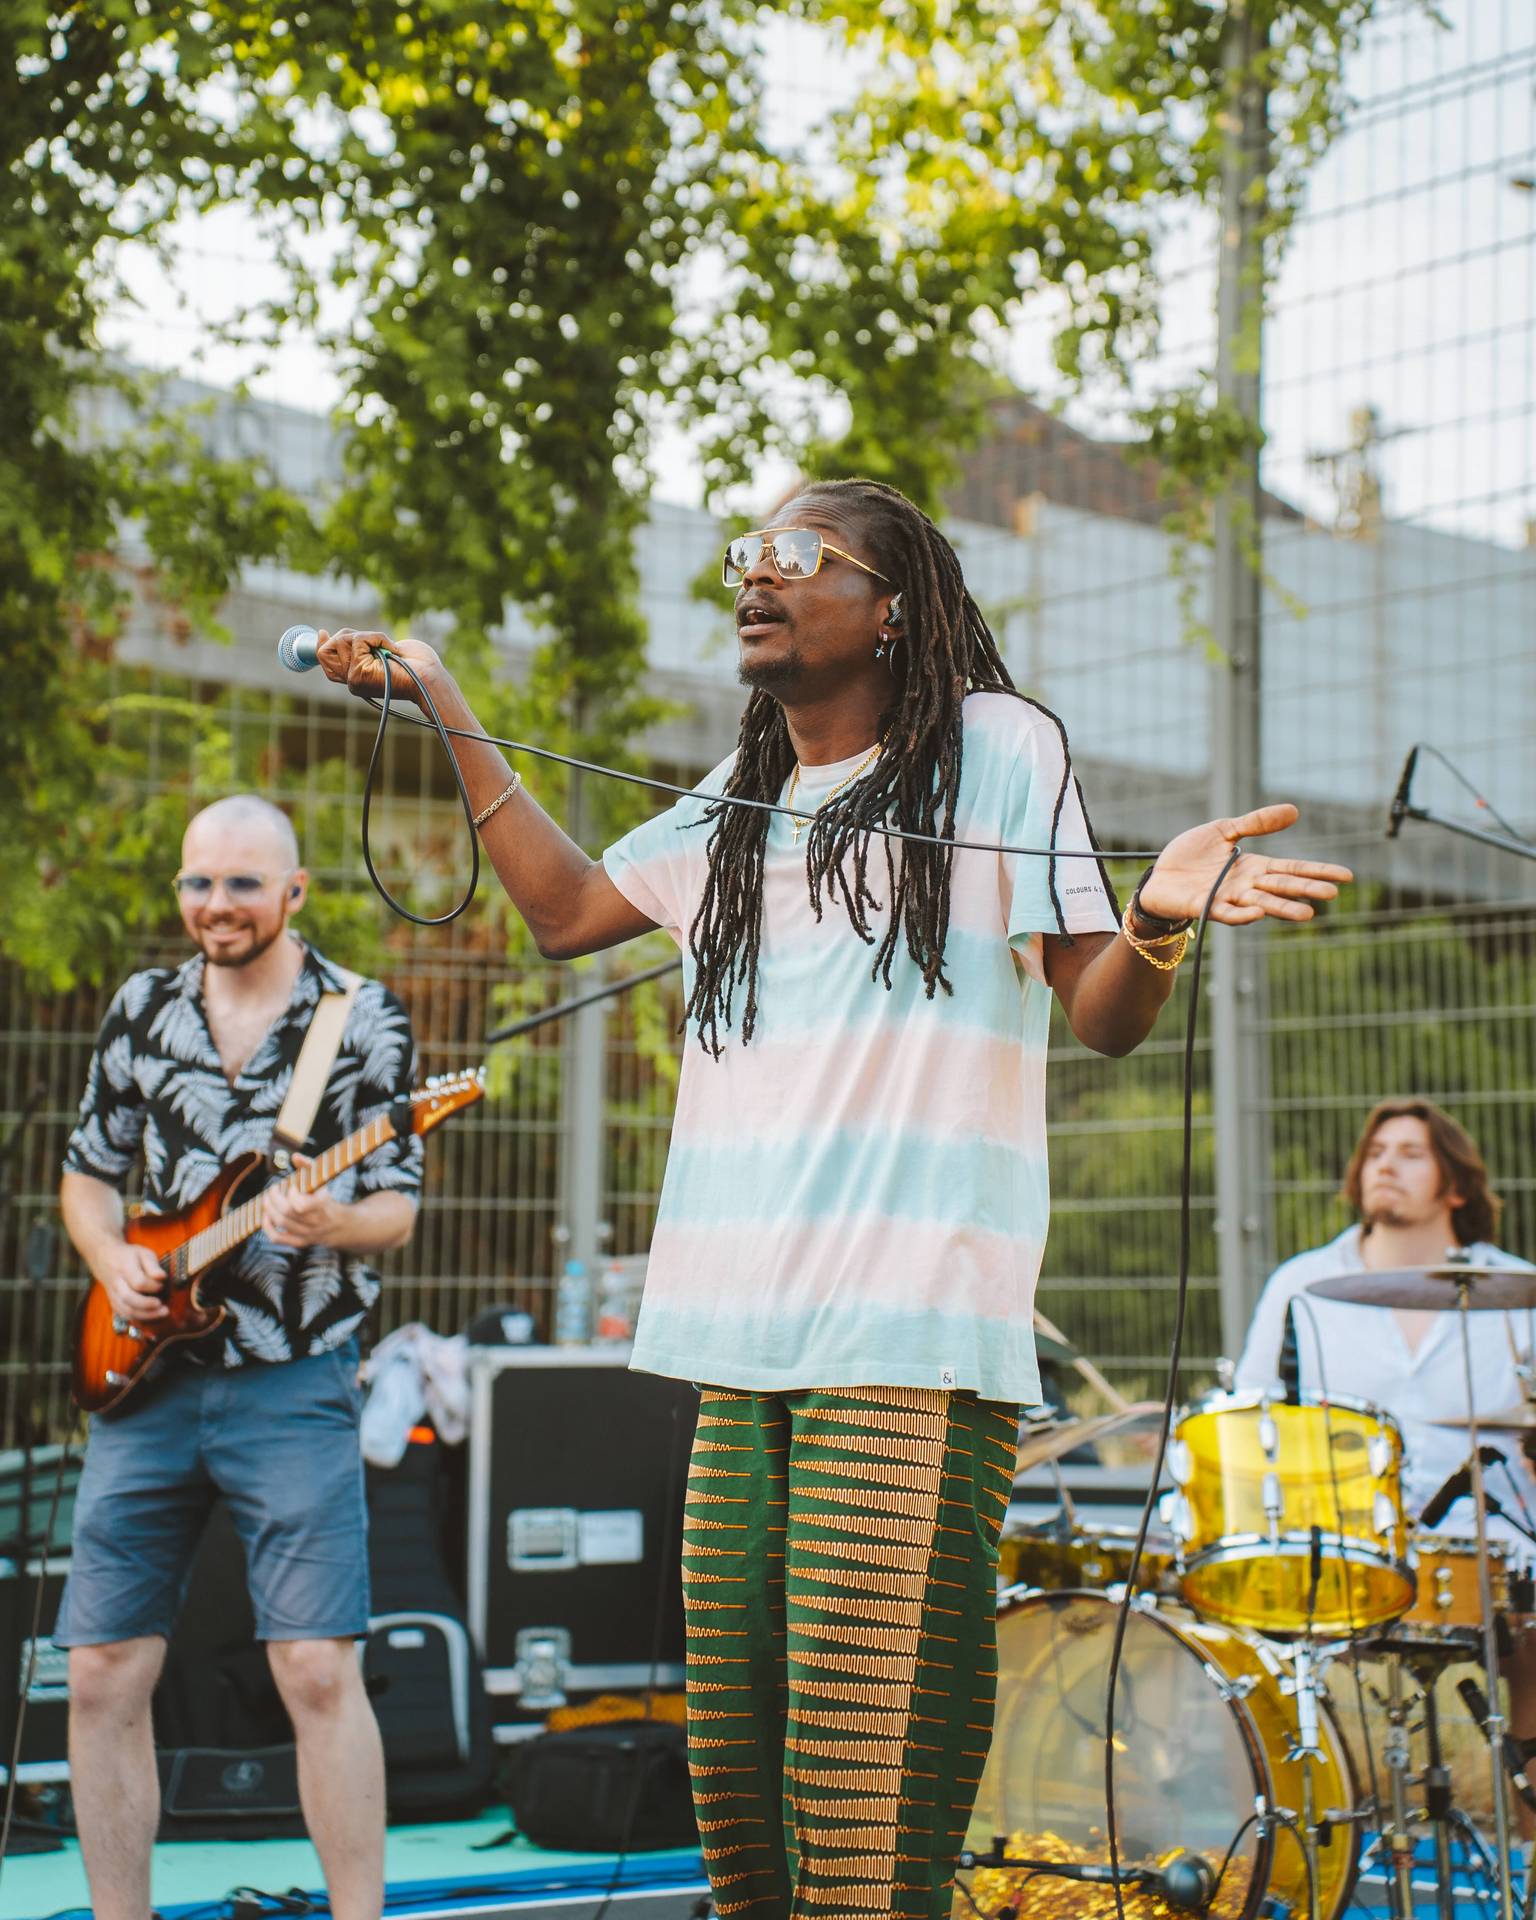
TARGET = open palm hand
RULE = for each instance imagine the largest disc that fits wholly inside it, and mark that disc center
(1259, 887)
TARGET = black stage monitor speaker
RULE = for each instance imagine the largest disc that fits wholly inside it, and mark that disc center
(576, 1476)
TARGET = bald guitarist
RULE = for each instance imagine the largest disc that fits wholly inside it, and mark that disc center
(189, 1072)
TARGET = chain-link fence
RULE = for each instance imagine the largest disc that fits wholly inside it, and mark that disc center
(1399, 543)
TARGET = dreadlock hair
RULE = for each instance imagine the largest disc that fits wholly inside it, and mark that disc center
(914, 784)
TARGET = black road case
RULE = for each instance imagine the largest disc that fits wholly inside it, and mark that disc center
(576, 1475)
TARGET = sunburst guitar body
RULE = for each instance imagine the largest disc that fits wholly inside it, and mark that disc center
(114, 1356)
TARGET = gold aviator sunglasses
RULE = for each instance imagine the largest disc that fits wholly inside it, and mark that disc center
(796, 553)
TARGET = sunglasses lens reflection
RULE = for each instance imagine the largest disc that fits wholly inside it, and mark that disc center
(795, 554)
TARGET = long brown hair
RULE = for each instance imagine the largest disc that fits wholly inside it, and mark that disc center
(1460, 1161)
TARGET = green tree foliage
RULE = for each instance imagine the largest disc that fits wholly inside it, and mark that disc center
(553, 225)
(997, 154)
(101, 142)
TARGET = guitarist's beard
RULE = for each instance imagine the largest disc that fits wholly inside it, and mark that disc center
(243, 957)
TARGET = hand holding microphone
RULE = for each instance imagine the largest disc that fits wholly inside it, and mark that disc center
(350, 656)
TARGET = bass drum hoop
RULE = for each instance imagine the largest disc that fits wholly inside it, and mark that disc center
(1213, 1672)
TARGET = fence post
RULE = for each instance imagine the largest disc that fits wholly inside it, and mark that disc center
(1239, 1039)
(583, 1064)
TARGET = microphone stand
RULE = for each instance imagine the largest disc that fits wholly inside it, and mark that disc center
(1523, 848)
(565, 1007)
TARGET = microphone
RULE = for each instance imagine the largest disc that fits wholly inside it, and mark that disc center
(1399, 810)
(1513, 1750)
(1188, 1882)
(1290, 1358)
(1457, 1487)
(299, 649)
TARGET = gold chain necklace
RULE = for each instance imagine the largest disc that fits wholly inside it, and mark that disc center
(800, 822)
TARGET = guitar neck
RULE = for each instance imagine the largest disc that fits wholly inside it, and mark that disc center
(227, 1232)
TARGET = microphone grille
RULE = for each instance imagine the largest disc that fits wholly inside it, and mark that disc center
(297, 650)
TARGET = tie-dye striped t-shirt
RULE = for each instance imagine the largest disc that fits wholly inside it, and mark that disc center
(859, 1196)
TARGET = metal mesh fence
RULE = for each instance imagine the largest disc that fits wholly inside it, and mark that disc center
(1400, 554)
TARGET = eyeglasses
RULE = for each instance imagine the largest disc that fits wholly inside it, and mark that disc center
(237, 886)
(796, 553)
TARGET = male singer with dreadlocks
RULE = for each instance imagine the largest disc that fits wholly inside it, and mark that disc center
(855, 1201)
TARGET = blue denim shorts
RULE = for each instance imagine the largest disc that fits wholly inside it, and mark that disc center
(281, 1444)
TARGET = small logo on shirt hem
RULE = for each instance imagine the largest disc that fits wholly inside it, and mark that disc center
(946, 1376)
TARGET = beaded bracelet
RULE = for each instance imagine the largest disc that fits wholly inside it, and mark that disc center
(500, 800)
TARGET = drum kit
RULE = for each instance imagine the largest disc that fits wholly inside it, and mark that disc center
(1283, 1583)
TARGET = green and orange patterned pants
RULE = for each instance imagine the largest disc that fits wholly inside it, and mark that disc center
(839, 1580)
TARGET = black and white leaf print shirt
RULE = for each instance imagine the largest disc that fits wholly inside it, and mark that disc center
(157, 1086)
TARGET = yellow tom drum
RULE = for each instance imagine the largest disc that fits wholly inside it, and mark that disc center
(1289, 1519)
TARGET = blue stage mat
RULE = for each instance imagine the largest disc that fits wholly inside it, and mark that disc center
(431, 1867)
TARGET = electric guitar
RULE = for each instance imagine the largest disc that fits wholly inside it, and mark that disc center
(112, 1355)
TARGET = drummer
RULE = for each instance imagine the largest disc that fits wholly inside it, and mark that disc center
(1421, 1190)
(1419, 1185)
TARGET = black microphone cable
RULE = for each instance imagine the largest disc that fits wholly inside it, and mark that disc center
(1175, 1354)
(417, 919)
(435, 724)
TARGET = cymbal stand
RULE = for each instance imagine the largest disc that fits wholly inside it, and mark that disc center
(1495, 1726)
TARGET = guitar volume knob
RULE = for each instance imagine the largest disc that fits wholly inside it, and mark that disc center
(119, 1324)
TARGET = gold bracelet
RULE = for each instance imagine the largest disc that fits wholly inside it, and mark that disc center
(1143, 947)
(500, 800)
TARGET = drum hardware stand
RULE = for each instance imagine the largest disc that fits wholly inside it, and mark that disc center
(1066, 1526)
(1307, 1663)
(1494, 1726)
(1439, 1811)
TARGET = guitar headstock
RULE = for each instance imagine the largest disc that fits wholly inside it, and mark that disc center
(443, 1094)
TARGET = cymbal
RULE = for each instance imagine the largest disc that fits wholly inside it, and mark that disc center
(1488, 1289)
(1521, 1419)
(1065, 1436)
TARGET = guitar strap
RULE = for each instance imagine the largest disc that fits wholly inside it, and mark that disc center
(312, 1069)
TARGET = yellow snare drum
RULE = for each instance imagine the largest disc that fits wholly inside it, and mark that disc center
(1289, 1519)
